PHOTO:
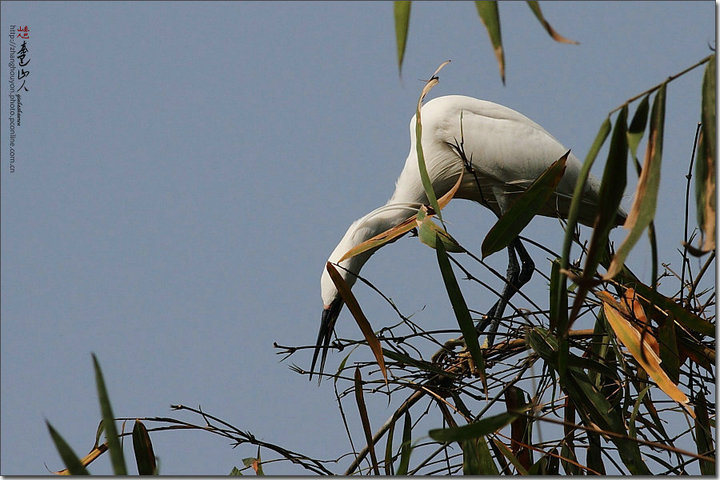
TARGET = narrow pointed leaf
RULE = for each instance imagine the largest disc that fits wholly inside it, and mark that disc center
(514, 400)
(705, 166)
(704, 437)
(507, 453)
(535, 7)
(485, 460)
(116, 454)
(72, 463)
(389, 468)
(429, 233)
(482, 427)
(402, 23)
(462, 314)
(612, 188)
(144, 455)
(641, 351)
(406, 447)
(636, 129)
(362, 410)
(235, 472)
(424, 177)
(358, 315)
(643, 208)
(509, 226)
(574, 211)
(490, 16)
(558, 299)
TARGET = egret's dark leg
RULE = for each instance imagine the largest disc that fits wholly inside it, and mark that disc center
(517, 276)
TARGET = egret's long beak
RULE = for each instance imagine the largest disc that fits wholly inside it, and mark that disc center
(327, 326)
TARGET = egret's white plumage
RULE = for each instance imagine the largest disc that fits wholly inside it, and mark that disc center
(507, 150)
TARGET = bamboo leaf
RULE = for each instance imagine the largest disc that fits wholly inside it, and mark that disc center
(558, 299)
(462, 314)
(636, 129)
(235, 472)
(490, 16)
(402, 24)
(535, 7)
(116, 454)
(144, 455)
(574, 211)
(514, 401)
(482, 427)
(389, 470)
(429, 233)
(612, 188)
(704, 437)
(485, 460)
(509, 226)
(705, 166)
(507, 453)
(643, 208)
(641, 351)
(362, 409)
(358, 315)
(72, 463)
(406, 447)
(425, 178)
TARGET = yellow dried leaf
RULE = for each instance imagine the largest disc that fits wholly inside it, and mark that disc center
(641, 350)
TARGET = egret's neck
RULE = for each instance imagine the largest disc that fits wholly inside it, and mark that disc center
(374, 223)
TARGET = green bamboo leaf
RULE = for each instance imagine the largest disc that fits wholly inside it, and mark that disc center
(704, 436)
(485, 459)
(519, 428)
(462, 314)
(424, 177)
(402, 24)
(471, 457)
(490, 16)
(429, 233)
(235, 472)
(669, 356)
(71, 460)
(643, 208)
(612, 188)
(509, 226)
(362, 410)
(558, 299)
(482, 427)
(574, 211)
(535, 7)
(144, 455)
(116, 454)
(636, 129)
(507, 453)
(594, 453)
(406, 447)
(389, 467)
(705, 165)
(477, 459)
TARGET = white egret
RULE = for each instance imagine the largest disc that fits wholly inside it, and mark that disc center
(506, 151)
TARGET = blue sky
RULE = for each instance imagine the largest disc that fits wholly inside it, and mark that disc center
(183, 170)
